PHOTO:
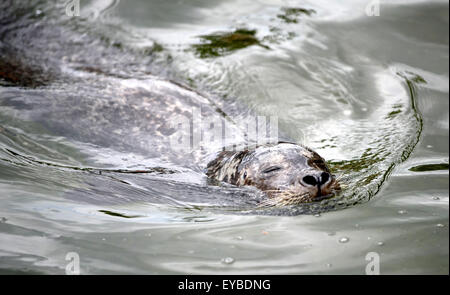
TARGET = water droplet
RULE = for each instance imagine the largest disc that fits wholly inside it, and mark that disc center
(436, 198)
(380, 243)
(4, 219)
(149, 235)
(329, 265)
(316, 215)
(331, 234)
(402, 212)
(227, 260)
(440, 225)
(103, 239)
(364, 109)
(239, 238)
(344, 240)
(191, 252)
(369, 238)
(347, 112)
(429, 146)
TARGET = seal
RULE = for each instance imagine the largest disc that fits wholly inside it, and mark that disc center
(288, 173)
(138, 113)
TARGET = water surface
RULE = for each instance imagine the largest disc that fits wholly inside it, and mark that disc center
(370, 94)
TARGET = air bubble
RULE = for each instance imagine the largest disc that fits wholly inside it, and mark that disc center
(227, 260)
(344, 240)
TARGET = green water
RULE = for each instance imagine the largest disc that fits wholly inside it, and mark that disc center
(369, 93)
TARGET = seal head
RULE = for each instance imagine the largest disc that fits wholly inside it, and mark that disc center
(288, 173)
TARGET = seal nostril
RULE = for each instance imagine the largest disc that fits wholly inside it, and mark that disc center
(324, 177)
(311, 180)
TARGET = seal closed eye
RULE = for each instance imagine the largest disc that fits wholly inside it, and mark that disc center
(296, 173)
(271, 169)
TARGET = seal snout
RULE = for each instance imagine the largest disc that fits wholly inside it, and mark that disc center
(319, 184)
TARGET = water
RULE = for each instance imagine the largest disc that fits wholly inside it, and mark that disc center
(369, 93)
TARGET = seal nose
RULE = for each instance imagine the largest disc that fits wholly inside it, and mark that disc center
(311, 180)
(318, 183)
(316, 180)
(324, 178)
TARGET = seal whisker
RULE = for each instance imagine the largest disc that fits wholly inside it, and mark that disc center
(341, 178)
(284, 199)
